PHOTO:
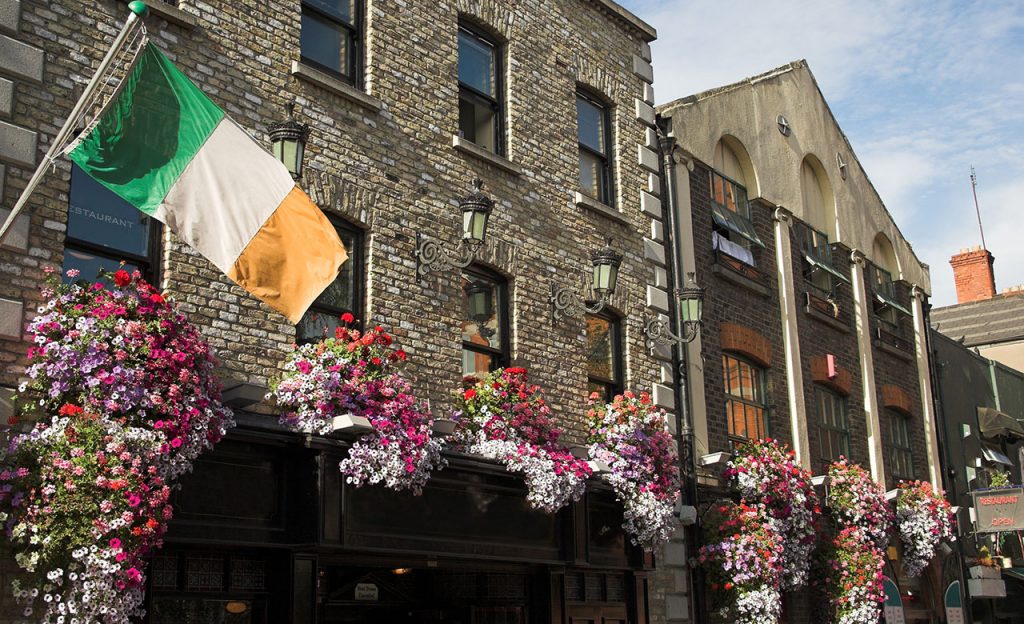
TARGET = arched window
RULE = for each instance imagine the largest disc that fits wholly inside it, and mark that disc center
(604, 355)
(733, 231)
(818, 229)
(484, 322)
(746, 403)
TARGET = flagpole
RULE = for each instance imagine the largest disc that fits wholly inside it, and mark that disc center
(138, 10)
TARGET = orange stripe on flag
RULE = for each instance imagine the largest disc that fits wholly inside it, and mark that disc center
(292, 258)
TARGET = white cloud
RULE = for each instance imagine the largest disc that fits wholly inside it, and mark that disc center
(922, 89)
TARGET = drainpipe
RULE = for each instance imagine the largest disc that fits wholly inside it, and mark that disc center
(674, 270)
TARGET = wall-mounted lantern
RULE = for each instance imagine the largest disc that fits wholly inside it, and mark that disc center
(567, 302)
(288, 141)
(691, 311)
(476, 210)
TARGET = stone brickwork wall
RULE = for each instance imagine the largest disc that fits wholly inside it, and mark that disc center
(387, 159)
(736, 301)
(822, 332)
(896, 384)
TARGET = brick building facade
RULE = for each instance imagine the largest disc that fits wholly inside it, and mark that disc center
(398, 132)
(813, 329)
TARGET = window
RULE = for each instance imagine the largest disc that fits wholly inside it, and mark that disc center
(103, 230)
(604, 356)
(330, 37)
(593, 130)
(480, 105)
(745, 407)
(819, 273)
(833, 427)
(484, 323)
(886, 305)
(345, 294)
(901, 460)
(733, 230)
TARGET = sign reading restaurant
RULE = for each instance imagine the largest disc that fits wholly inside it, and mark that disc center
(999, 510)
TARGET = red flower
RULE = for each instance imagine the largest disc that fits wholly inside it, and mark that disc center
(12, 420)
(469, 394)
(347, 318)
(156, 298)
(69, 410)
(400, 355)
(122, 278)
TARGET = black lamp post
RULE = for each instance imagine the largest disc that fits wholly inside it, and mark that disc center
(288, 141)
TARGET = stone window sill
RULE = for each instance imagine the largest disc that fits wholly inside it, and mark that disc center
(893, 350)
(735, 277)
(601, 208)
(474, 150)
(334, 85)
(172, 14)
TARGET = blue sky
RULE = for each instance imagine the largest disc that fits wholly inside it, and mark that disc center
(923, 90)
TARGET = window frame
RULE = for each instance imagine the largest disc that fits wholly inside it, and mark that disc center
(615, 384)
(497, 103)
(760, 387)
(606, 193)
(500, 356)
(837, 400)
(149, 265)
(355, 256)
(354, 41)
(892, 449)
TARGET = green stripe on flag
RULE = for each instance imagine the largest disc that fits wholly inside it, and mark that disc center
(149, 133)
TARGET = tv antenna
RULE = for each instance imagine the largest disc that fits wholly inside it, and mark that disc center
(974, 190)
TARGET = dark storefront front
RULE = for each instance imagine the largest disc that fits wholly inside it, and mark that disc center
(266, 531)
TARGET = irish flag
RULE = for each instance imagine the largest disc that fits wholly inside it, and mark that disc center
(168, 150)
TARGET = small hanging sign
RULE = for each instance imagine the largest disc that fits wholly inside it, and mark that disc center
(366, 591)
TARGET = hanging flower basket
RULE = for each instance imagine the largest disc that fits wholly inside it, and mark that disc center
(630, 436)
(767, 473)
(125, 397)
(352, 383)
(850, 575)
(855, 499)
(742, 556)
(504, 418)
(851, 565)
(923, 520)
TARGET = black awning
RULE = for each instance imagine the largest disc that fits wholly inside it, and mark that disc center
(994, 423)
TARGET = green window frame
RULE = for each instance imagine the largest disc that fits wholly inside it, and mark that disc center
(901, 456)
(746, 407)
(833, 425)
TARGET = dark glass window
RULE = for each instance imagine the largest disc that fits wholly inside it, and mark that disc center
(833, 426)
(746, 409)
(330, 36)
(104, 230)
(901, 459)
(480, 101)
(593, 130)
(345, 294)
(484, 323)
(604, 355)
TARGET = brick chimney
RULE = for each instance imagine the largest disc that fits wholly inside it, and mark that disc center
(972, 272)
